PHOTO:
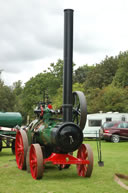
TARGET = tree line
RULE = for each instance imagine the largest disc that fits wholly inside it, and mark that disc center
(105, 86)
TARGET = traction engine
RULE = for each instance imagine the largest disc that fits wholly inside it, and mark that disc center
(49, 139)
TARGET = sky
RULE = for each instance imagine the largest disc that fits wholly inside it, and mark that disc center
(32, 31)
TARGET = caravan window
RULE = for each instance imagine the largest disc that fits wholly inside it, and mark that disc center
(108, 119)
(94, 123)
(123, 118)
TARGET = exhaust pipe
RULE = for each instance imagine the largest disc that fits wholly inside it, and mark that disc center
(67, 69)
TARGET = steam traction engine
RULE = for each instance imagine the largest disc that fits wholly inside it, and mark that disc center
(51, 139)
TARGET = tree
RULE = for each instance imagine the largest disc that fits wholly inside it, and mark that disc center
(92, 102)
(18, 92)
(17, 87)
(7, 98)
(102, 74)
(57, 70)
(121, 76)
(81, 73)
(107, 99)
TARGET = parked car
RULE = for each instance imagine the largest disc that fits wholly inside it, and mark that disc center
(94, 122)
(115, 130)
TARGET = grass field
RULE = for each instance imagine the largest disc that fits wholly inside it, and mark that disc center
(115, 157)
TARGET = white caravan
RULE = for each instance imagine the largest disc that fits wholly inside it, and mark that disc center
(94, 122)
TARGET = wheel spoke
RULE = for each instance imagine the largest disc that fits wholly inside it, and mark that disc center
(77, 120)
(78, 108)
(82, 170)
(20, 160)
(83, 155)
(34, 170)
(20, 150)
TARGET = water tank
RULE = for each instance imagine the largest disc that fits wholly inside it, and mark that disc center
(10, 119)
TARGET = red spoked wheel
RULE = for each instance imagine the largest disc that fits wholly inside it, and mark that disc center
(36, 161)
(21, 146)
(85, 153)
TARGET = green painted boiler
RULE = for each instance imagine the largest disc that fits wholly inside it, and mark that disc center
(10, 119)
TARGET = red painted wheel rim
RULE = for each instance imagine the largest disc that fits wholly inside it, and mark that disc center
(19, 148)
(82, 154)
(33, 162)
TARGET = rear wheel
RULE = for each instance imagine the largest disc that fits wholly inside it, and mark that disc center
(115, 138)
(21, 146)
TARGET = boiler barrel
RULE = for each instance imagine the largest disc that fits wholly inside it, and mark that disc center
(62, 138)
(10, 119)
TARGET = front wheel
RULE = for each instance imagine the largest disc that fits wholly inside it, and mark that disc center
(36, 161)
(115, 138)
(85, 153)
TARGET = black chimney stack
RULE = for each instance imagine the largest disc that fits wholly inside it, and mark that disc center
(67, 71)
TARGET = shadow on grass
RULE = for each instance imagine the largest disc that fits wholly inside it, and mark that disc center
(53, 173)
(7, 154)
(65, 177)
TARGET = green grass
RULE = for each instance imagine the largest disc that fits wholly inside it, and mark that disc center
(115, 157)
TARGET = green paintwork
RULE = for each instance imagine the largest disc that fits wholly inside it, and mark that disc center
(40, 129)
(47, 115)
(30, 130)
(10, 119)
(44, 137)
(7, 132)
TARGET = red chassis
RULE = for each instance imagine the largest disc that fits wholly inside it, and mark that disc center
(64, 159)
(83, 161)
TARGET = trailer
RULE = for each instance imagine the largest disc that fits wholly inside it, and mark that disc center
(94, 122)
(10, 122)
(7, 138)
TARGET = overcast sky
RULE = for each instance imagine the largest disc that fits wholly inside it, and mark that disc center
(31, 34)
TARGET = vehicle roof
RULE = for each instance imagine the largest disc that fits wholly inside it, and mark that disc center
(116, 122)
(105, 115)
